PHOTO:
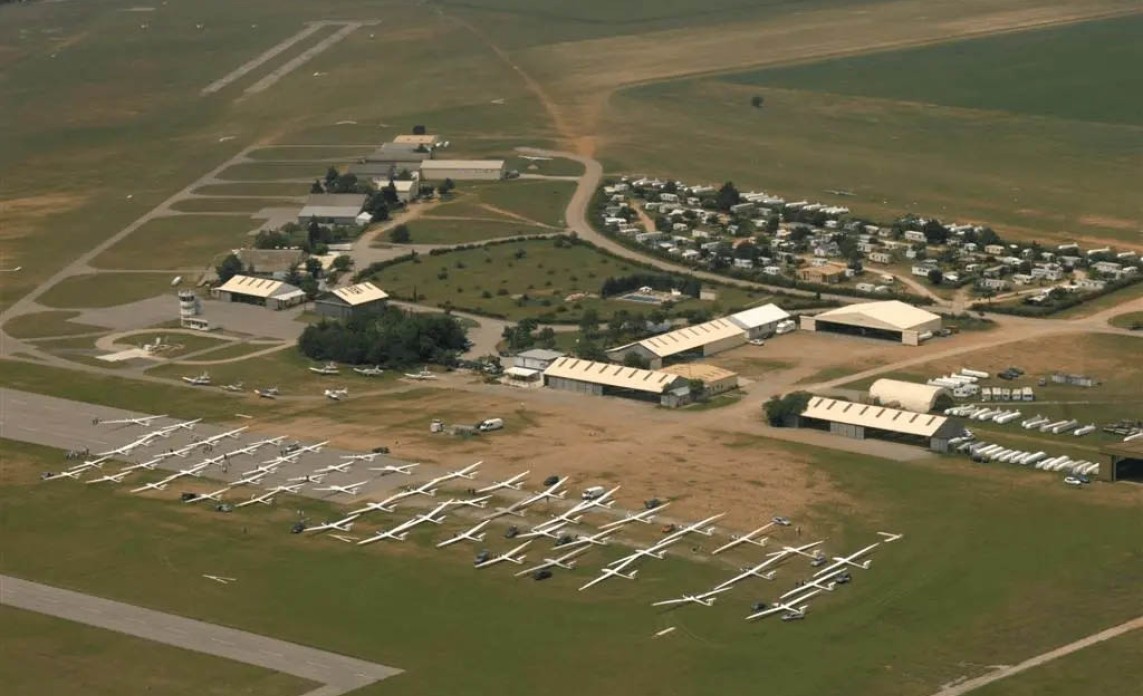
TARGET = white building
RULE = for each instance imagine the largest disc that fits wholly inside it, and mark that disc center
(891, 319)
(761, 321)
(462, 170)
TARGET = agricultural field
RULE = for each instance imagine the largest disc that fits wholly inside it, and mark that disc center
(44, 654)
(106, 289)
(926, 611)
(528, 279)
(186, 241)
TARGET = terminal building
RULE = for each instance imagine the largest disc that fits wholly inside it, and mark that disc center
(607, 379)
(891, 320)
(861, 421)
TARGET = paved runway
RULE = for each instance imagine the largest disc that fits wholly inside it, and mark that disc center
(65, 424)
(337, 673)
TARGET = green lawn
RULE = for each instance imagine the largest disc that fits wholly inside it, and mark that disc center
(286, 369)
(47, 324)
(344, 153)
(182, 242)
(273, 171)
(186, 342)
(1090, 62)
(46, 655)
(1096, 669)
(254, 189)
(232, 205)
(533, 285)
(429, 231)
(106, 289)
(553, 167)
(541, 201)
(1128, 320)
(926, 612)
(232, 350)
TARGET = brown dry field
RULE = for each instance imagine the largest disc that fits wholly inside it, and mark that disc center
(578, 76)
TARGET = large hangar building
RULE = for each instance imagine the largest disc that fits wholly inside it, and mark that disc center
(891, 320)
(861, 421)
(607, 379)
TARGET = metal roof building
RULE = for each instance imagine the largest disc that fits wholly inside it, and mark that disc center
(860, 421)
(892, 319)
(908, 395)
(332, 208)
(760, 321)
(462, 170)
(265, 292)
(715, 380)
(344, 302)
(707, 338)
(607, 379)
(1124, 461)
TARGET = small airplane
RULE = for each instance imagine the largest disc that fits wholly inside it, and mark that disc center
(255, 446)
(789, 608)
(551, 528)
(214, 495)
(574, 515)
(699, 527)
(117, 477)
(645, 517)
(70, 473)
(483, 560)
(330, 368)
(360, 457)
(128, 448)
(423, 374)
(748, 538)
(551, 492)
(481, 502)
(598, 539)
(474, 534)
(705, 599)
(219, 579)
(772, 559)
(465, 473)
(823, 584)
(195, 470)
(343, 525)
(350, 489)
(890, 537)
(374, 371)
(310, 448)
(850, 560)
(130, 421)
(252, 479)
(655, 552)
(336, 394)
(606, 573)
(290, 458)
(267, 393)
(236, 387)
(399, 532)
(565, 561)
(232, 434)
(514, 483)
(406, 469)
(200, 381)
(267, 498)
(342, 468)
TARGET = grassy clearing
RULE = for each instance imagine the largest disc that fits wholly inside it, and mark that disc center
(273, 171)
(532, 285)
(1090, 62)
(44, 654)
(186, 342)
(542, 201)
(286, 369)
(927, 612)
(1099, 304)
(268, 188)
(187, 241)
(1097, 669)
(429, 231)
(896, 157)
(232, 205)
(232, 350)
(309, 154)
(1129, 320)
(136, 395)
(557, 166)
(106, 289)
(46, 324)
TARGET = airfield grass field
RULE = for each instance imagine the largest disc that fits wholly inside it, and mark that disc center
(992, 590)
(48, 324)
(538, 269)
(46, 655)
(185, 241)
(254, 188)
(557, 166)
(106, 290)
(1128, 320)
(427, 230)
(541, 201)
(1097, 669)
(233, 349)
(231, 205)
(286, 369)
(187, 342)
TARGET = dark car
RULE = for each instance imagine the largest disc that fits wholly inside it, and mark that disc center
(542, 574)
(298, 528)
(511, 532)
(551, 480)
(652, 503)
(380, 450)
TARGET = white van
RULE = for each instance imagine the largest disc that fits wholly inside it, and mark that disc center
(593, 492)
(490, 424)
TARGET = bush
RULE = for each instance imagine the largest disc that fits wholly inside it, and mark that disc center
(390, 338)
(400, 234)
(780, 410)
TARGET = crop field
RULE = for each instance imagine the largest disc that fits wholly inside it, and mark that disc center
(924, 613)
(106, 289)
(1093, 63)
(44, 654)
(527, 279)
(185, 241)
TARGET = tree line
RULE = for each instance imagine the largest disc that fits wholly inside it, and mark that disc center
(391, 338)
(691, 287)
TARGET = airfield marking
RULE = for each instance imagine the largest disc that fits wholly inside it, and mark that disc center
(1108, 634)
(270, 53)
(337, 673)
(296, 62)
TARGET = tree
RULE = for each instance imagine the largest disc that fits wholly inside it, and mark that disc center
(229, 267)
(728, 196)
(343, 263)
(313, 267)
(316, 187)
(756, 101)
(446, 187)
(587, 349)
(331, 175)
(400, 234)
(635, 360)
(389, 194)
(309, 286)
(546, 338)
(589, 322)
(781, 409)
(935, 232)
(390, 338)
(313, 233)
(419, 130)
(935, 276)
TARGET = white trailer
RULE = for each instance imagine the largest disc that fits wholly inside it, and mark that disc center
(1007, 418)
(1065, 427)
(1092, 469)
(1034, 422)
(974, 373)
(1036, 457)
(943, 382)
(1080, 432)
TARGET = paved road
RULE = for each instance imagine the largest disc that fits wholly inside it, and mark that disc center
(337, 673)
(974, 684)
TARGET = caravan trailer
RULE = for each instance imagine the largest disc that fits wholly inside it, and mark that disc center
(974, 373)
(1080, 432)
(1065, 427)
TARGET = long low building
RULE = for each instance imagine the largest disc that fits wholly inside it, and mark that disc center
(861, 421)
(607, 379)
(891, 320)
(462, 170)
(332, 208)
(265, 292)
(715, 380)
(760, 321)
(703, 339)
